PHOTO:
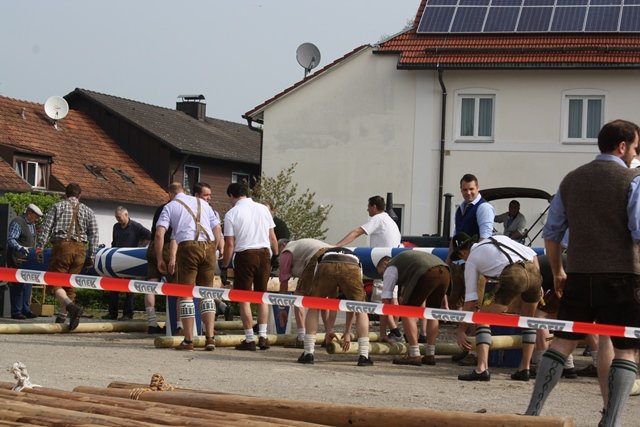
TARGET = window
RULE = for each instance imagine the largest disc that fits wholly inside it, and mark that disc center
(584, 117)
(191, 176)
(240, 177)
(35, 172)
(125, 176)
(475, 117)
(97, 171)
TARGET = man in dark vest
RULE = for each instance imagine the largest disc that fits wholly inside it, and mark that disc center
(473, 217)
(21, 237)
(600, 203)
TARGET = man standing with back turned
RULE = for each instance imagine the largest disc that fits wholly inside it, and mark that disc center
(602, 279)
(71, 225)
(192, 221)
(249, 233)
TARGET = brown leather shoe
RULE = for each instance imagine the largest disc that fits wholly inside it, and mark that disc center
(429, 360)
(73, 313)
(408, 360)
(263, 343)
(185, 346)
(246, 346)
(210, 344)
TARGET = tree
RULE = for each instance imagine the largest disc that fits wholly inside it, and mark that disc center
(303, 216)
(19, 201)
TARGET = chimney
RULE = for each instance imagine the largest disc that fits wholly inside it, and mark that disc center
(193, 106)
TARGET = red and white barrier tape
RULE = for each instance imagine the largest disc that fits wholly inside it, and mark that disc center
(189, 291)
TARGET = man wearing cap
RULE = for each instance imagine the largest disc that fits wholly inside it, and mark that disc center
(515, 267)
(21, 237)
(71, 225)
(422, 279)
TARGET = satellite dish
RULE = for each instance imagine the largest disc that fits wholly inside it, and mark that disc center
(56, 107)
(308, 56)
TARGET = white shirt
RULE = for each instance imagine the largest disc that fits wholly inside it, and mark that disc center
(183, 224)
(383, 232)
(487, 260)
(390, 280)
(249, 223)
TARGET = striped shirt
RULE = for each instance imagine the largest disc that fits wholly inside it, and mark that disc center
(58, 219)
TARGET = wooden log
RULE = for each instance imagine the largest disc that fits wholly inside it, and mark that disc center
(14, 410)
(499, 342)
(141, 411)
(336, 414)
(83, 327)
(228, 325)
(233, 340)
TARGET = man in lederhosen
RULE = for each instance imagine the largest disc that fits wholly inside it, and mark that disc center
(192, 221)
(515, 266)
(71, 225)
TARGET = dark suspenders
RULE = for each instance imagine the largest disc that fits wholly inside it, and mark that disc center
(501, 247)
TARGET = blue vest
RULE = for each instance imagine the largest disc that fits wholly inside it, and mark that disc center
(468, 222)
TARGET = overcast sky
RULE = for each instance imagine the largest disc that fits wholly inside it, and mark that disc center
(237, 53)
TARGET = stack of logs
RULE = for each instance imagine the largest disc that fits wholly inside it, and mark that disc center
(130, 405)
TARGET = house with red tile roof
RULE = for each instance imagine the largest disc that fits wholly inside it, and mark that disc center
(511, 91)
(40, 157)
(180, 144)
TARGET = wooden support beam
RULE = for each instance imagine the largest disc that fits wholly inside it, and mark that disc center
(335, 414)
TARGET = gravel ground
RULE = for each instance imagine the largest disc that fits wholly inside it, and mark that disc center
(67, 360)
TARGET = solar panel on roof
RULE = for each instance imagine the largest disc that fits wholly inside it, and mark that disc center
(630, 20)
(501, 19)
(469, 20)
(602, 19)
(508, 16)
(568, 19)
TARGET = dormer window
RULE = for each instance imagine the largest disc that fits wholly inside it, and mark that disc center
(33, 170)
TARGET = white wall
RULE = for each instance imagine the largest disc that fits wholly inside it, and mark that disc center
(365, 128)
(351, 133)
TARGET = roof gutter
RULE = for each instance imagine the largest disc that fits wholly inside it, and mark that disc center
(259, 130)
(443, 112)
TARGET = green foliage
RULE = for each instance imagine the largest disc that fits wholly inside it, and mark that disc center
(303, 216)
(19, 201)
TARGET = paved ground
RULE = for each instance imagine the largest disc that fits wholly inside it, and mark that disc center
(64, 361)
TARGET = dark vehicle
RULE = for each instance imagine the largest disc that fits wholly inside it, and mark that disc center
(490, 195)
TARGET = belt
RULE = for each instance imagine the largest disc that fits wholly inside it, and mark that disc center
(195, 242)
(342, 258)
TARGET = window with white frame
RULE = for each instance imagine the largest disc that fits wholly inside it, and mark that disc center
(34, 171)
(584, 116)
(240, 177)
(475, 117)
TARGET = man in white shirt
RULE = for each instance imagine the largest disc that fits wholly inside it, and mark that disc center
(515, 267)
(383, 232)
(249, 235)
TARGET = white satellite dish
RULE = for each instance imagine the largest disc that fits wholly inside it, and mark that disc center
(56, 107)
(308, 56)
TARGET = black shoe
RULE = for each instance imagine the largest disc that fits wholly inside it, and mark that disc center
(178, 332)
(18, 316)
(255, 329)
(60, 319)
(474, 376)
(364, 361)
(228, 314)
(569, 373)
(533, 372)
(125, 317)
(246, 346)
(74, 312)
(589, 371)
(458, 357)
(422, 339)
(522, 375)
(30, 315)
(109, 316)
(306, 358)
(156, 330)
(263, 343)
